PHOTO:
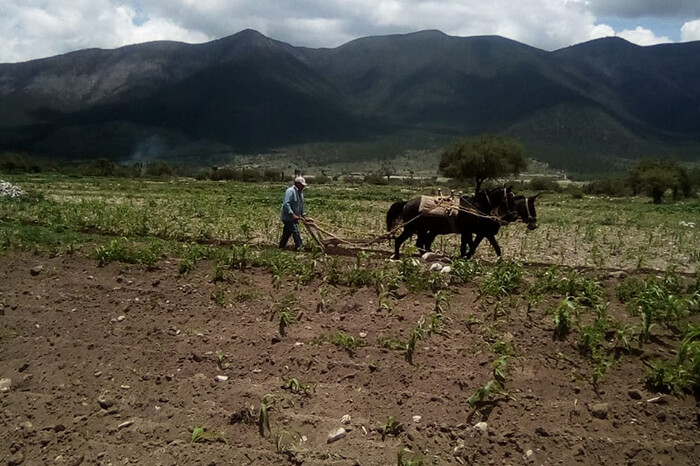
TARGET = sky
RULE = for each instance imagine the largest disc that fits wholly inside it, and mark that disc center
(31, 29)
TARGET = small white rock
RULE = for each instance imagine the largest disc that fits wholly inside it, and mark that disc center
(346, 419)
(435, 267)
(124, 425)
(363, 334)
(221, 378)
(337, 435)
(417, 419)
(121, 318)
(5, 385)
(482, 426)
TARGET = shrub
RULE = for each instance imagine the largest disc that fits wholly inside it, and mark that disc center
(543, 183)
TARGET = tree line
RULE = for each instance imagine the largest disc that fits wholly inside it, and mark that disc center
(493, 156)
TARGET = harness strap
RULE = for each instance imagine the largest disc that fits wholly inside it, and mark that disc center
(527, 208)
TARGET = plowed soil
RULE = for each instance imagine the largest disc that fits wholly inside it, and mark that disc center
(118, 365)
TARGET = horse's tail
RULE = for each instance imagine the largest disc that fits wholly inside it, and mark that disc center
(394, 215)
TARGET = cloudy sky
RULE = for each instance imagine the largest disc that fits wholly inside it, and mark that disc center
(39, 28)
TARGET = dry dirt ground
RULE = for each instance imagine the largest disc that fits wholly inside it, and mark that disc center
(118, 364)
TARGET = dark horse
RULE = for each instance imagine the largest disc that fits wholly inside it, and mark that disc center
(488, 227)
(415, 222)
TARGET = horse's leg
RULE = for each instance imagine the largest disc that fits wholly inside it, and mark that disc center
(405, 234)
(430, 238)
(466, 239)
(494, 245)
(474, 244)
(421, 240)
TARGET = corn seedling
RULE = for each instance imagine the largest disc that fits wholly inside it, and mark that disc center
(390, 427)
(186, 266)
(221, 361)
(386, 301)
(294, 385)
(393, 344)
(406, 457)
(200, 435)
(442, 301)
(503, 279)
(464, 270)
(267, 403)
(341, 340)
(286, 440)
(287, 312)
(562, 318)
(482, 394)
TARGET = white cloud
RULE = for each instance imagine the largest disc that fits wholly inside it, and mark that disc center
(641, 36)
(690, 31)
(645, 8)
(38, 28)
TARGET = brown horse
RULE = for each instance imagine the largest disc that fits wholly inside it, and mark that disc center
(471, 208)
(488, 227)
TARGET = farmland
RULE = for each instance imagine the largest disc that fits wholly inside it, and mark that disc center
(155, 322)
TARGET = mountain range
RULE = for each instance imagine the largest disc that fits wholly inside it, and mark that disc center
(597, 104)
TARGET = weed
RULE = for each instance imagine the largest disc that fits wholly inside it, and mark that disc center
(219, 274)
(219, 296)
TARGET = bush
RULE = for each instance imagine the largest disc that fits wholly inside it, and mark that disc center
(159, 168)
(542, 183)
(376, 179)
(574, 191)
(609, 187)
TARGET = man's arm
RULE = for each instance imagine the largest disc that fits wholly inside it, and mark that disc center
(287, 204)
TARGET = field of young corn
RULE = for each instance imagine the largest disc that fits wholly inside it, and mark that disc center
(63, 212)
(156, 322)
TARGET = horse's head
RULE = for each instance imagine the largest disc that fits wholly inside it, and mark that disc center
(526, 210)
(492, 199)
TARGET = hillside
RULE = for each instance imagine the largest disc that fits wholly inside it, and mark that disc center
(575, 108)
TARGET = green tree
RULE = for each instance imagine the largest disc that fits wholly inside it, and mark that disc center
(655, 176)
(489, 156)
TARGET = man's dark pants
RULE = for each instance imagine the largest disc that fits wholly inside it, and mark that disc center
(291, 228)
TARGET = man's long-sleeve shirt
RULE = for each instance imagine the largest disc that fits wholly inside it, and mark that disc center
(293, 204)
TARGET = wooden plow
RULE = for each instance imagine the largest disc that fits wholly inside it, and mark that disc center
(331, 243)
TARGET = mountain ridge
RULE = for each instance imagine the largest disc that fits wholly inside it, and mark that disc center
(250, 93)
